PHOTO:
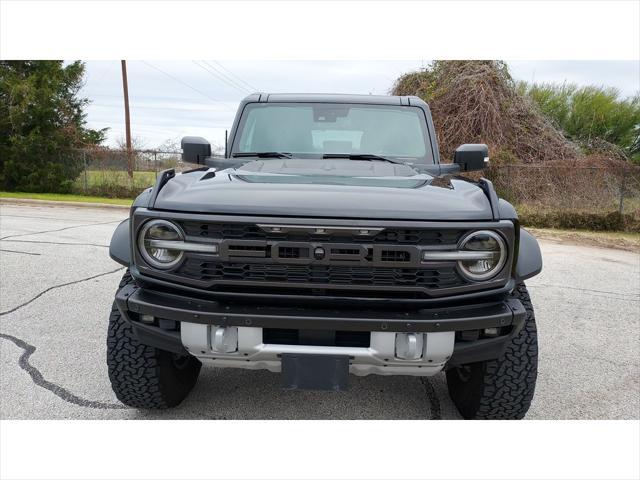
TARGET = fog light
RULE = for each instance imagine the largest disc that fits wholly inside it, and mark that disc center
(224, 339)
(469, 335)
(491, 332)
(409, 346)
(147, 318)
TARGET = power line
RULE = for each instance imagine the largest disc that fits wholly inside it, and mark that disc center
(180, 81)
(150, 107)
(223, 79)
(184, 83)
(253, 89)
(104, 73)
(229, 74)
(218, 71)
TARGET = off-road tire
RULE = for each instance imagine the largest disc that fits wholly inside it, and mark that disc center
(142, 376)
(500, 389)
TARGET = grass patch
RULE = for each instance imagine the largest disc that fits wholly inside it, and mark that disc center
(622, 240)
(101, 177)
(113, 183)
(63, 197)
(569, 219)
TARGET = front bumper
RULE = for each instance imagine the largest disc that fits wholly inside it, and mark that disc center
(437, 326)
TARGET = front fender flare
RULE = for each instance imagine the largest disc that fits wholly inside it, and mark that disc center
(120, 246)
(529, 262)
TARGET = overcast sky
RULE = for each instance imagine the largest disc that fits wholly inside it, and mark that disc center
(169, 100)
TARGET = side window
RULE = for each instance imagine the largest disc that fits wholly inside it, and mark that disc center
(247, 137)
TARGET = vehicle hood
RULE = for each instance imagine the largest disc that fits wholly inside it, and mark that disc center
(331, 189)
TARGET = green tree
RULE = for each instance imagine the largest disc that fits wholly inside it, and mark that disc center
(42, 120)
(591, 115)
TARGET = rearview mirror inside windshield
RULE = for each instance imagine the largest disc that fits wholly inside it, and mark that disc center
(329, 113)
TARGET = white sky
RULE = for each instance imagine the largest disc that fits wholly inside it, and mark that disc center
(188, 100)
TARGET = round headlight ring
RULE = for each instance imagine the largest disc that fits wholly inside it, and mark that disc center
(142, 248)
(478, 277)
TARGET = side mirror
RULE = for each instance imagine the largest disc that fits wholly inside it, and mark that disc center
(471, 157)
(195, 150)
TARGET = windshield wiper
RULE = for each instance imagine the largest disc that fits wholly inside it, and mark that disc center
(361, 156)
(263, 154)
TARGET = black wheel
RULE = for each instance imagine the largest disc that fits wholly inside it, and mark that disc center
(142, 376)
(503, 388)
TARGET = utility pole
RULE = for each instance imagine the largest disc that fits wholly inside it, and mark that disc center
(127, 119)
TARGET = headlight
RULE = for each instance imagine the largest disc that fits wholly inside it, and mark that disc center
(487, 255)
(154, 242)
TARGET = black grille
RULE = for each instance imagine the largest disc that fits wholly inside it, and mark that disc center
(389, 235)
(293, 252)
(394, 256)
(441, 277)
(338, 261)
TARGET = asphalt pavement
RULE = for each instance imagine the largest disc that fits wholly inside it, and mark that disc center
(57, 284)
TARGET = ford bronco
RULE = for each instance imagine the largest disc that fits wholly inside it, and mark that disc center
(329, 240)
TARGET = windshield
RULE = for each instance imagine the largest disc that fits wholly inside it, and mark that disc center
(310, 130)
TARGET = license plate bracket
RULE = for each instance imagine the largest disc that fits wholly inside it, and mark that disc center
(315, 372)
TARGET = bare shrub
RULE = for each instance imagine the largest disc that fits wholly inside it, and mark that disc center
(476, 101)
(587, 185)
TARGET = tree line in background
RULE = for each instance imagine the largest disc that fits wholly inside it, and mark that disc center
(42, 119)
(590, 115)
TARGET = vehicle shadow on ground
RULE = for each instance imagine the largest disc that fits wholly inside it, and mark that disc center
(230, 394)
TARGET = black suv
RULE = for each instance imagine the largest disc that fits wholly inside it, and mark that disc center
(329, 240)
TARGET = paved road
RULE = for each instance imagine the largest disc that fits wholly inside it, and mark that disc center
(57, 285)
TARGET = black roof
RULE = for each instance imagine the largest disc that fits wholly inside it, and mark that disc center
(333, 98)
